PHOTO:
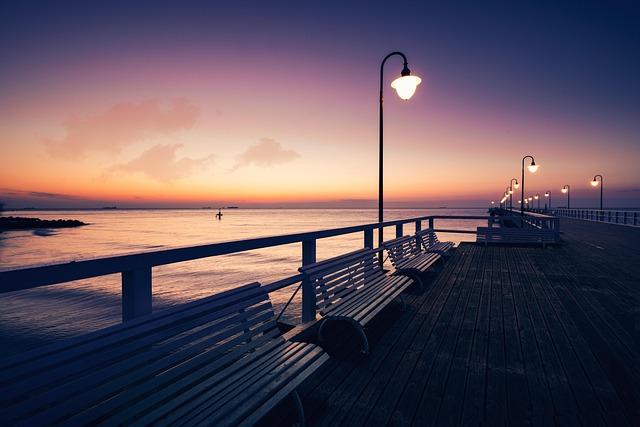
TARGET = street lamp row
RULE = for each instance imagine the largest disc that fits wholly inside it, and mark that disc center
(533, 167)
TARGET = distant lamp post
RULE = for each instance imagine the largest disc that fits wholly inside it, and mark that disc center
(532, 168)
(492, 203)
(537, 197)
(597, 182)
(512, 185)
(405, 86)
(567, 190)
(548, 194)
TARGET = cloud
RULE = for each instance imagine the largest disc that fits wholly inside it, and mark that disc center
(37, 194)
(160, 163)
(267, 152)
(121, 125)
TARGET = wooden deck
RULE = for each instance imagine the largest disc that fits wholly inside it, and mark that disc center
(503, 335)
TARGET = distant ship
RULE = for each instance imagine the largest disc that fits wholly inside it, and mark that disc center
(109, 207)
(232, 207)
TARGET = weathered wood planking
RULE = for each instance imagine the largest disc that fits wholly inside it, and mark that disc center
(504, 335)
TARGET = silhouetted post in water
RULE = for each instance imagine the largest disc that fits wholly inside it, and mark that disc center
(532, 168)
(512, 185)
(548, 194)
(595, 183)
(219, 214)
(405, 86)
(567, 189)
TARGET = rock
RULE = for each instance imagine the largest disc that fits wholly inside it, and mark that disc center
(21, 223)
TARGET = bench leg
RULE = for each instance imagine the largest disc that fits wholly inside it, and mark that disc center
(295, 397)
(356, 325)
(412, 274)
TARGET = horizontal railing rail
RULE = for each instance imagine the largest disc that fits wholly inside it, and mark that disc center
(609, 216)
(136, 268)
(529, 219)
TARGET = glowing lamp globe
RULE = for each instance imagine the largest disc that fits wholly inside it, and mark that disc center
(533, 167)
(546, 194)
(406, 86)
(511, 191)
(536, 197)
(516, 185)
(594, 183)
(564, 190)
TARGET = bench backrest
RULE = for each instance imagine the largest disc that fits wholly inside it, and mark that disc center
(215, 331)
(336, 278)
(428, 237)
(521, 234)
(401, 249)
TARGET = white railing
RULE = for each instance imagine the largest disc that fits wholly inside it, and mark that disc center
(619, 217)
(136, 268)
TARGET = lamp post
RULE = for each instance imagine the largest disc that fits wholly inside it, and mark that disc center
(537, 197)
(567, 189)
(532, 168)
(405, 86)
(595, 183)
(512, 185)
(548, 194)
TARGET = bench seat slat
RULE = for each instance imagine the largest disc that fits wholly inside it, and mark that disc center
(109, 379)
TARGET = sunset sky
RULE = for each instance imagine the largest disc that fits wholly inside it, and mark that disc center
(275, 103)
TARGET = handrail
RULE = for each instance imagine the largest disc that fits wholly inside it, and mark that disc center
(608, 216)
(136, 267)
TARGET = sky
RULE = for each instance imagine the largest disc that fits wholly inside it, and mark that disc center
(269, 104)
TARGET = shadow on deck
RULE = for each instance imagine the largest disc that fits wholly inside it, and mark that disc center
(503, 335)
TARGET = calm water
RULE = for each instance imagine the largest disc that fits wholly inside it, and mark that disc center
(39, 316)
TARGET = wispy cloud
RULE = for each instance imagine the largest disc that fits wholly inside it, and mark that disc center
(267, 152)
(37, 194)
(121, 125)
(162, 164)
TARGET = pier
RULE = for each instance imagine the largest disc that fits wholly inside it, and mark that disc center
(501, 334)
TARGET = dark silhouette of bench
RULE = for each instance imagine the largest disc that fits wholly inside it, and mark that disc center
(352, 288)
(219, 360)
(408, 260)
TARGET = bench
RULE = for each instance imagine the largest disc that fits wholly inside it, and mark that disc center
(407, 258)
(218, 360)
(431, 243)
(352, 288)
(523, 236)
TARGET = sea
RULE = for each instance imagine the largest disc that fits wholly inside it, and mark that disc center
(44, 315)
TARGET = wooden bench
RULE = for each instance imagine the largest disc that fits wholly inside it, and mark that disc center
(522, 236)
(218, 360)
(407, 258)
(352, 288)
(431, 243)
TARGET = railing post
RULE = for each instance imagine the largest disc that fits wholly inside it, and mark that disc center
(418, 228)
(308, 293)
(431, 228)
(368, 238)
(399, 231)
(136, 293)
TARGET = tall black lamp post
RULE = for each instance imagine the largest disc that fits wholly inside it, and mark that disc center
(567, 190)
(532, 168)
(537, 197)
(512, 185)
(405, 86)
(548, 194)
(595, 183)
